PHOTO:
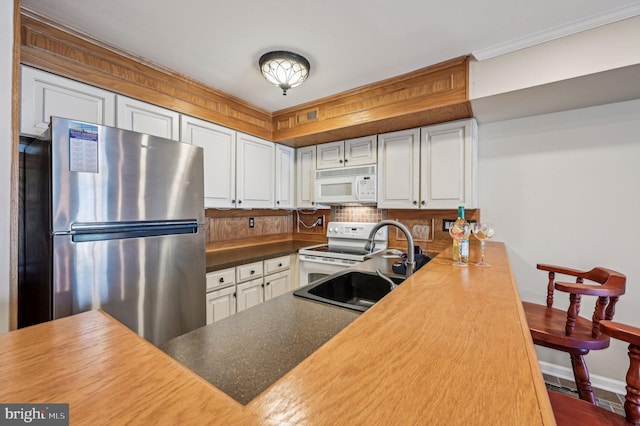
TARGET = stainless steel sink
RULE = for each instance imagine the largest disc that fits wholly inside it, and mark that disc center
(352, 289)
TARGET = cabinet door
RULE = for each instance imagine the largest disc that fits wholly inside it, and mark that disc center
(361, 151)
(249, 294)
(146, 118)
(44, 95)
(219, 145)
(285, 160)
(330, 155)
(399, 169)
(449, 164)
(305, 176)
(255, 181)
(277, 284)
(221, 304)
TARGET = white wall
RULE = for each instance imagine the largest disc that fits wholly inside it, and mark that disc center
(564, 189)
(6, 60)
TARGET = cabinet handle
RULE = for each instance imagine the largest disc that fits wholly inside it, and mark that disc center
(239, 201)
(234, 295)
(262, 285)
(424, 203)
(345, 160)
(279, 265)
(277, 202)
(415, 203)
(233, 201)
(221, 280)
(340, 161)
(253, 272)
(268, 283)
(313, 203)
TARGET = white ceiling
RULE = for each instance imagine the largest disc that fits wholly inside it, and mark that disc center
(349, 43)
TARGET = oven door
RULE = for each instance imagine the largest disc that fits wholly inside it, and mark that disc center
(313, 268)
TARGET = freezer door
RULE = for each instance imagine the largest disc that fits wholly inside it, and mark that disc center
(154, 285)
(102, 174)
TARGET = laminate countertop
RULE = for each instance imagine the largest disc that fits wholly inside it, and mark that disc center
(449, 346)
(229, 258)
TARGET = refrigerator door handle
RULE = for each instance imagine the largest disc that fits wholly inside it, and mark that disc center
(81, 232)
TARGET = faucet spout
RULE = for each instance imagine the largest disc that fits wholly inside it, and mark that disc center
(410, 263)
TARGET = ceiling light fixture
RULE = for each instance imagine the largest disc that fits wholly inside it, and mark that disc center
(284, 69)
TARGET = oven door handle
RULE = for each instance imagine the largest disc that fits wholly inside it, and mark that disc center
(326, 261)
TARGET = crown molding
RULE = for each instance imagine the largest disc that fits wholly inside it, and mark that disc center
(574, 27)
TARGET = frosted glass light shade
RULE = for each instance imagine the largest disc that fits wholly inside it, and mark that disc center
(284, 69)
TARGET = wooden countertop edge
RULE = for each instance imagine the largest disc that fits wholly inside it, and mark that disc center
(546, 411)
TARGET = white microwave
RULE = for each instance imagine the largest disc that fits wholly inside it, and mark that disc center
(346, 185)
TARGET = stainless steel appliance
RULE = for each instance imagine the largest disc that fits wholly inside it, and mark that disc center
(346, 185)
(345, 248)
(112, 220)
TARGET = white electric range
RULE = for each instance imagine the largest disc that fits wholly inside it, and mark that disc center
(345, 248)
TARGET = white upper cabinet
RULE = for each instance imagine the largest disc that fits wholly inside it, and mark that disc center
(142, 117)
(305, 176)
(219, 145)
(285, 160)
(255, 170)
(45, 95)
(449, 171)
(351, 152)
(399, 169)
(435, 167)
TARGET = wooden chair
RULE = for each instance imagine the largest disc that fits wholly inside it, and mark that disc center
(571, 411)
(567, 331)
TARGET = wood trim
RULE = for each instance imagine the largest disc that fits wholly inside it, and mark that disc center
(60, 50)
(14, 190)
(430, 95)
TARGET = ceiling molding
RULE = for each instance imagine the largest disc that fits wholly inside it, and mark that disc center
(573, 27)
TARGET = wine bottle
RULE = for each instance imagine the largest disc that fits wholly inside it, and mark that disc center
(462, 246)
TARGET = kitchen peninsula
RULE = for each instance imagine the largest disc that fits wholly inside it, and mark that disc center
(449, 346)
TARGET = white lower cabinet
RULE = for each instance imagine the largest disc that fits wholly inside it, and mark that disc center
(277, 284)
(249, 294)
(221, 304)
(233, 290)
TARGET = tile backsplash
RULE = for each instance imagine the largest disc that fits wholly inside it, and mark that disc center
(357, 214)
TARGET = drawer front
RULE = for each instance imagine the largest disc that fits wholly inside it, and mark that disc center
(221, 279)
(249, 271)
(277, 264)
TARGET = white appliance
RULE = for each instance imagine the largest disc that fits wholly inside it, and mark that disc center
(346, 185)
(345, 248)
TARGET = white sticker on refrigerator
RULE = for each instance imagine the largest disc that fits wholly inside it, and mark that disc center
(83, 147)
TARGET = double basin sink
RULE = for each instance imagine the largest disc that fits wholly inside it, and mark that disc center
(350, 289)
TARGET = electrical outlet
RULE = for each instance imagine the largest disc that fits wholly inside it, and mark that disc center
(447, 224)
(319, 222)
(252, 222)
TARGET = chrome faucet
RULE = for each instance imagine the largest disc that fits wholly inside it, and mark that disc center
(410, 263)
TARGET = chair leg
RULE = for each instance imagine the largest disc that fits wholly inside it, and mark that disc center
(581, 374)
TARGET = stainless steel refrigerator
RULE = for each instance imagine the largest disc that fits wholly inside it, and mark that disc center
(113, 220)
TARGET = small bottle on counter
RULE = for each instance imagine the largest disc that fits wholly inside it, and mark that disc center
(463, 245)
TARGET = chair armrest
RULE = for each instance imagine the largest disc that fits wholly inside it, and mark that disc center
(560, 270)
(620, 331)
(588, 289)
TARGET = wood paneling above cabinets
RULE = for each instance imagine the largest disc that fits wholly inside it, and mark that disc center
(427, 96)
(50, 47)
(435, 94)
